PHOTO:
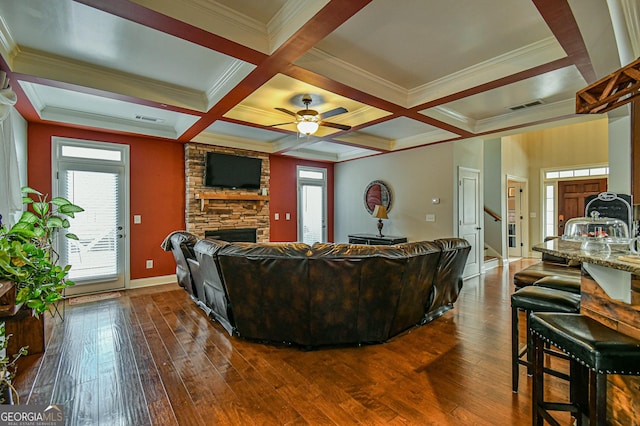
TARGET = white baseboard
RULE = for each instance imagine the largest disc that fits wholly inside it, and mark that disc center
(152, 281)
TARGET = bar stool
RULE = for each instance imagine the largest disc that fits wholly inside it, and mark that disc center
(595, 351)
(536, 299)
(568, 283)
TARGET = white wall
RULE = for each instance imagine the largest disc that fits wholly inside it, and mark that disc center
(415, 177)
(493, 193)
(620, 156)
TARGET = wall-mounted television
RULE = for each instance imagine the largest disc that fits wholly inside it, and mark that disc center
(232, 171)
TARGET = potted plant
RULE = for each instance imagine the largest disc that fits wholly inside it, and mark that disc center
(27, 250)
(30, 270)
(8, 369)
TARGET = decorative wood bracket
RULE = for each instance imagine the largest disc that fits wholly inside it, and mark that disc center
(610, 92)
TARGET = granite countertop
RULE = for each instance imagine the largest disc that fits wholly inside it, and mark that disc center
(571, 250)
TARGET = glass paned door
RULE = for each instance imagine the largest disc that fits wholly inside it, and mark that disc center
(97, 259)
(312, 220)
(312, 204)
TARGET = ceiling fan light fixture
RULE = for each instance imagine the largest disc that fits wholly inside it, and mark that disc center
(307, 127)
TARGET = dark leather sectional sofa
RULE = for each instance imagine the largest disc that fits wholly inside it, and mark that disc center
(325, 294)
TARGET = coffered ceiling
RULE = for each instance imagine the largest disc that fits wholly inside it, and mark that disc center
(410, 72)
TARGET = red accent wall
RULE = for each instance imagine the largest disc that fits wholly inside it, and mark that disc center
(283, 197)
(157, 189)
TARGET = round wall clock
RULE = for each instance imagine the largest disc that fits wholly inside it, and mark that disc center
(377, 192)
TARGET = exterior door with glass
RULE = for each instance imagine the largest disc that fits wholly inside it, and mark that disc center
(312, 204)
(93, 176)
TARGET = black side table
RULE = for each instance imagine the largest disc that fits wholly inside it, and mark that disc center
(373, 239)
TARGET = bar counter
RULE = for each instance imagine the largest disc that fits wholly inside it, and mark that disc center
(610, 293)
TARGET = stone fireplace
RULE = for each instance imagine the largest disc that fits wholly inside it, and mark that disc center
(214, 209)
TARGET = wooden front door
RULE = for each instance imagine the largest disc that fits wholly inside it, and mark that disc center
(571, 196)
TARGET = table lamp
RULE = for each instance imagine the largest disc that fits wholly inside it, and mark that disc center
(381, 213)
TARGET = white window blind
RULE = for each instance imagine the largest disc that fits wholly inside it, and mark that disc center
(95, 255)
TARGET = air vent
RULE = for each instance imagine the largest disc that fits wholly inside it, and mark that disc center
(526, 105)
(149, 119)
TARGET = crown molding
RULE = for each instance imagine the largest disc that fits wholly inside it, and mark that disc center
(426, 138)
(215, 18)
(8, 46)
(323, 63)
(229, 78)
(451, 117)
(521, 118)
(82, 118)
(367, 141)
(290, 19)
(79, 73)
(209, 138)
(521, 59)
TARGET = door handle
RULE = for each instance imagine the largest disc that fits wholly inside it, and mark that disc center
(478, 228)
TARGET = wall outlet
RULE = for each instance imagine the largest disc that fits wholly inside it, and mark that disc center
(287, 216)
(430, 218)
(276, 216)
(149, 264)
(137, 218)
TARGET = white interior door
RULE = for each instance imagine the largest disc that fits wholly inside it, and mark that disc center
(515, 193)
(469, 217)
(93, 176)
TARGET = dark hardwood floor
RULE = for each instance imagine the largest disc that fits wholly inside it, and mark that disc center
(153, 357)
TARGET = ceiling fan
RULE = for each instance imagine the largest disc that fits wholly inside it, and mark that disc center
(308, 120)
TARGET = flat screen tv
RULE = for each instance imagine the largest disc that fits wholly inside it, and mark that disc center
(232, 171)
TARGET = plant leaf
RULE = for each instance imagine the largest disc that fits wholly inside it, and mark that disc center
(59, 201)
(29, 190)
(28, 217)
(41, 208)
(70, 208)
(55, 222)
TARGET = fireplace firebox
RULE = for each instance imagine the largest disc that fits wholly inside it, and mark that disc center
(248, 235)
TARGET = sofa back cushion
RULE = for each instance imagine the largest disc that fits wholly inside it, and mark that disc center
(354, 291)
(268, 289)
(181, 244)
(448, 279)
(418, 284)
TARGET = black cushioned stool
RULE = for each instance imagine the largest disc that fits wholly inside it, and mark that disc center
(535, 299)
(595, 351)
(568, 283)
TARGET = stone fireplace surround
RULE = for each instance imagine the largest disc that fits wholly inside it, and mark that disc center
(223, 214)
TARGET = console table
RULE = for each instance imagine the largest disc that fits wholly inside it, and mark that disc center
(375, 240)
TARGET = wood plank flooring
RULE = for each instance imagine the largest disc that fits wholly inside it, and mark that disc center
(152, 357)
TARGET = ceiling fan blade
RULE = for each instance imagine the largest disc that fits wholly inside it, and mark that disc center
(281, 124)
(335, 125)
(286, 111)
(332, 112)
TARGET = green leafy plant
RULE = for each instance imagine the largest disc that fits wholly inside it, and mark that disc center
(8, 368)
(27, 250)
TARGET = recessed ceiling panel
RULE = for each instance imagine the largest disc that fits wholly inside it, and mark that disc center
(73, 31)
(285, 92)
(56, 104)
(549, 88)
(412, 43)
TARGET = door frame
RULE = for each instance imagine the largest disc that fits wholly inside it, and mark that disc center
(56, 142)
(524, 209)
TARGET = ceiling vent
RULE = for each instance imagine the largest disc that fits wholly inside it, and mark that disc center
(149, 119)
(526, 105)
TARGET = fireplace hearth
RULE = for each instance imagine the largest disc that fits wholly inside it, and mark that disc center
(248, 235)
